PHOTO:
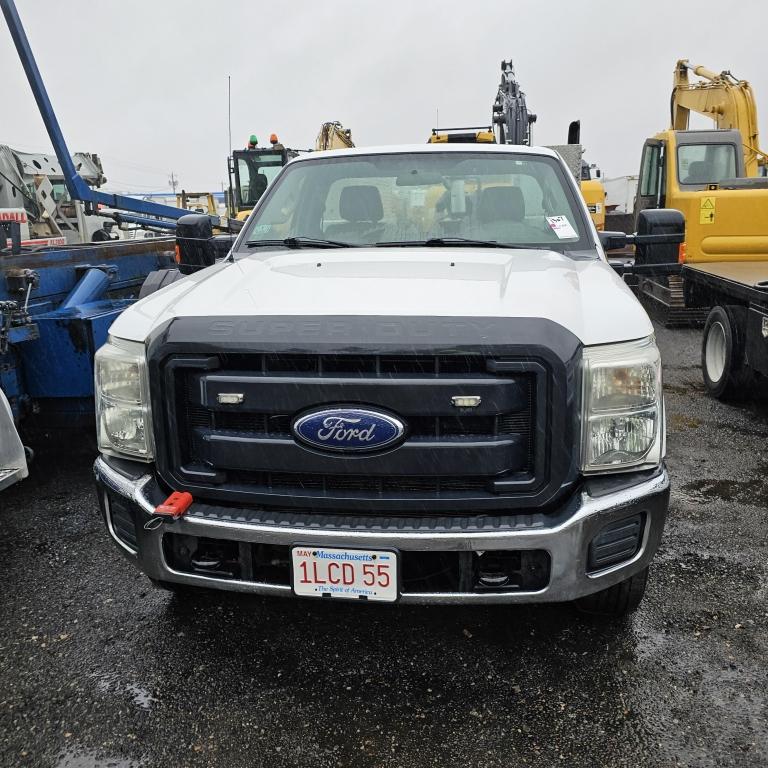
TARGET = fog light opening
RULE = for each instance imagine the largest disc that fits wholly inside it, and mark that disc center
(616, 543)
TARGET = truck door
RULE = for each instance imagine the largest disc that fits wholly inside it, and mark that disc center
(651, 186)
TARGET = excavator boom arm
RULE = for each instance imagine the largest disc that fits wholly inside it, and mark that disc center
(729, 102)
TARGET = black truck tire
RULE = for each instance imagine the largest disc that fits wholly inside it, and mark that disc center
(725, 374)
(159, 279)
(619, 600)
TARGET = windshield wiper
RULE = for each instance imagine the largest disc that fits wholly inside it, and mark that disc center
(301, 242)
(451, 241)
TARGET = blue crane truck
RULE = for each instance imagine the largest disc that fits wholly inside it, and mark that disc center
(57, 302)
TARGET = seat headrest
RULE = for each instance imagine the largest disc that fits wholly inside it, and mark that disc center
(698, 172)
(501, 204)
(361, 203)
(259, 182)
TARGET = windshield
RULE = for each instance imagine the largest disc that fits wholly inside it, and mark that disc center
(706, 163)
(256, 171)
(506, 198)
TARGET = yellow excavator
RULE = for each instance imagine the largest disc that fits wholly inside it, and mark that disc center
(333, 135)
(250, 172)
(711, 176)
(729, 102)
(252, 169)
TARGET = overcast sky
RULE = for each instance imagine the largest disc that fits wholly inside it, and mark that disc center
(144, 84)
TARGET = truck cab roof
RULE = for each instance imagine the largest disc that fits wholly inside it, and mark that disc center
(394, 149)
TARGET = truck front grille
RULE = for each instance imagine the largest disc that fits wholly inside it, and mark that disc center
(247, 452)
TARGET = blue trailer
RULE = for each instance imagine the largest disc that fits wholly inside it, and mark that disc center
(57, 303)
(56, 306)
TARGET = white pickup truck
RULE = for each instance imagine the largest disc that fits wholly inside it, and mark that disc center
(414, 377)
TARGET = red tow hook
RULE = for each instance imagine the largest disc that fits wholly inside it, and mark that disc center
(174, 507)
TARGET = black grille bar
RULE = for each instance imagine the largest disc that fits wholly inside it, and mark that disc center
(492, 439)
(518, 450)
(448, 450)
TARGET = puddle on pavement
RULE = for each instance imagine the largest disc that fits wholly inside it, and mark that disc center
(745, 431)
(677, 421)
(754, 491)
(142, 698)
(687, 388)
(72, 758)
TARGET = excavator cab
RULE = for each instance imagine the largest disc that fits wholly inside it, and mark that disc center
(675, 163)
(250, 173)
(481, 135)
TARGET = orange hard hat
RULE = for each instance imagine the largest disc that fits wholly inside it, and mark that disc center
(273, 138)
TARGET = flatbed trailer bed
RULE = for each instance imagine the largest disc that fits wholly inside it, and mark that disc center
(729, 297)
(735, 339)
(746, 279)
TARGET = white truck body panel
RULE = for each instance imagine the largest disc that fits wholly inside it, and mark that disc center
(13, 463)
(583, 295)
(586, 297)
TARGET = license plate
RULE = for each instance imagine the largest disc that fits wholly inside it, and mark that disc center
(351, 574)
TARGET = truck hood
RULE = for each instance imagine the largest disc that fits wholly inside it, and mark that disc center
(584, 296)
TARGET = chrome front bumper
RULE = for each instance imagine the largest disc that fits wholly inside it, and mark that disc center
(566, 536)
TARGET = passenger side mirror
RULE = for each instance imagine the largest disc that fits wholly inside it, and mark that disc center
(659, 234)
(614, 241)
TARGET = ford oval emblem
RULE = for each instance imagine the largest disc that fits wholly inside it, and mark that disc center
(352, 430)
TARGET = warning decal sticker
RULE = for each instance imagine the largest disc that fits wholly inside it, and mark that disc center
(707, 210)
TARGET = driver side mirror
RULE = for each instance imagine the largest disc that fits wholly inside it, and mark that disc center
(196, 245)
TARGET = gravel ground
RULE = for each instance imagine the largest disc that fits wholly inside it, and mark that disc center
(98, 669)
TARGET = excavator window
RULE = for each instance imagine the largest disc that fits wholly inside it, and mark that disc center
(649, 172)
(255, 170)
(699, 164)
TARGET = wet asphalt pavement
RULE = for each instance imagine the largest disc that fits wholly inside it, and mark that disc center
(99, 669)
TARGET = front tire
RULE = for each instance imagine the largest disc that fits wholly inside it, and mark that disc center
(722, 353)
(617, 601)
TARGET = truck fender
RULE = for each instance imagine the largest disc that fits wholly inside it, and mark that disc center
(159, 279)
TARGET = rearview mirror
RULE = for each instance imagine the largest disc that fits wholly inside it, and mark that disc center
(418, 179)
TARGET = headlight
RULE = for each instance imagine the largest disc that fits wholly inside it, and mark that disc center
(623, 419)
(123, 417)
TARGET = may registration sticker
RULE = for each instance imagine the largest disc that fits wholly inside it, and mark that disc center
(352, 574)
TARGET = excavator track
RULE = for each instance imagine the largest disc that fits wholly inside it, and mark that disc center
(664, 299)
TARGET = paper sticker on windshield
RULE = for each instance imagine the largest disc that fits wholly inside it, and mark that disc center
(561, 227)
(261, 229)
